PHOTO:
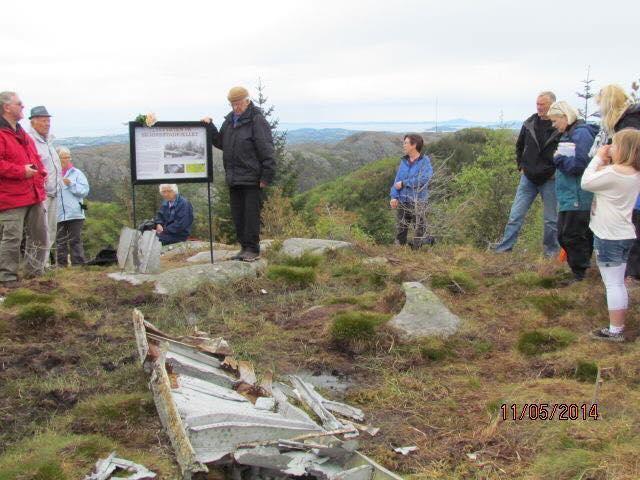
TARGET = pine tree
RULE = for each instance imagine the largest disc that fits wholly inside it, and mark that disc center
(635, 91)
(586, 94)
(286, 173)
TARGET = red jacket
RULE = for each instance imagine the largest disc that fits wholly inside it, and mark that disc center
(17, 150)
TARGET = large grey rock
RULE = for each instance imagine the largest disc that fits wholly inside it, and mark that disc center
(193, 246)
(423, 315)
(296, 247)
(218, 256)
(188, 279)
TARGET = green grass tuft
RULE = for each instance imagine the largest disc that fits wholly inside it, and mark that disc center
(105, 412)
(305, 260)
(544, 340)
(356, 325)
(552, 305)
(586, 371)
(299, 276)
(457, 281)
(434, 349)
(36, 315)
(22, 296)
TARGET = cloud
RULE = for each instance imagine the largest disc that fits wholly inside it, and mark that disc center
(101, 64)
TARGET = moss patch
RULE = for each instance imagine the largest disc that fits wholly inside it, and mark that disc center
(552, 305)
(23, 296)
(456, 281)
(540, 341)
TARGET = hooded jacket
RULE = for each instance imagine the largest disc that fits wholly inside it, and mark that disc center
(629, 119)
(536, 161)
(248, 154)
(51, 162)
(17, 150)
(72, 196)
(415, 180)
(569, 169)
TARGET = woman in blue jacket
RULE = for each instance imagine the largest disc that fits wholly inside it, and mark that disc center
(409, 191)
(574, 204)
(75, 188)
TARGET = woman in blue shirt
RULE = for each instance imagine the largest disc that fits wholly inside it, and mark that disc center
(409, 192)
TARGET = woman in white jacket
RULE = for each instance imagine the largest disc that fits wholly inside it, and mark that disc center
(613, 175)
(70, 212)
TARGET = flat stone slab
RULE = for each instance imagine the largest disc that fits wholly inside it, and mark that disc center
(296, 247)
(193, 246)
(423, 315)
(188, 279)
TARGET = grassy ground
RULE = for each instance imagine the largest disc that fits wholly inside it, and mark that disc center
(72, 390)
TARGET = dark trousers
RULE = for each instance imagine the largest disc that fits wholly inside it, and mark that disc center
(633, 263)
(575, 236)
(69, 238)
(410, 213)
(245, 202)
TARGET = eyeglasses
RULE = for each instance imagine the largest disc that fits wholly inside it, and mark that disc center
(239, 103)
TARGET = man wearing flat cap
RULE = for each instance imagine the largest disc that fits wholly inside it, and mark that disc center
(249, 164)
(40, 126)
(22, 213)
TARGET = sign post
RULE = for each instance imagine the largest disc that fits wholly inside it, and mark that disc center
(171, 152)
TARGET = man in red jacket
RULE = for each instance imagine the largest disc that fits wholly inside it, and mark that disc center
(22, 193)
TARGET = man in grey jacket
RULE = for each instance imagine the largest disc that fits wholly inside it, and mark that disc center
(40, 126)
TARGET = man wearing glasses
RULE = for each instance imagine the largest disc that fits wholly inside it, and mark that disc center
(22, 193)
(249, 164)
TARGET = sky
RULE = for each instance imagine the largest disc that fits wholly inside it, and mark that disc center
(96, 65)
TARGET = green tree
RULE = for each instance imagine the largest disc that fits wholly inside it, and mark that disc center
(286, 173)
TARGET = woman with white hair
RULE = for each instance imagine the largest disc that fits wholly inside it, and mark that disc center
(75, 188)
(574, 204)
(175, 217)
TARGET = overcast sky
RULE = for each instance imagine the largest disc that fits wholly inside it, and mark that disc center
(96, 65)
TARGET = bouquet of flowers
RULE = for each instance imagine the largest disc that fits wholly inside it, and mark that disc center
(149, 119)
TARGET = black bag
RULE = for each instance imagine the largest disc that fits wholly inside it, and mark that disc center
(105, 257)
(147, 225)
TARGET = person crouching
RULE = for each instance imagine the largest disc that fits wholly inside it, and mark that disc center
(175, 217)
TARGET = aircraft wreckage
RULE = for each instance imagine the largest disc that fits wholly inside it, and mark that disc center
(216, 414)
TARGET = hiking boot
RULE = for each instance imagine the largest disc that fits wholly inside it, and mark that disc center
(239, 255)
(250, 256)
(605, 334)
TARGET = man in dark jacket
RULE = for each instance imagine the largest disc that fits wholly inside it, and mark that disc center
(175, 217)
(22, 193)
(249, 164)
(536, 144)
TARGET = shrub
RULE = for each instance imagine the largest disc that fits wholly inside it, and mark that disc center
(36, 315)
(544, 340)
(22, 296)
(300, 276)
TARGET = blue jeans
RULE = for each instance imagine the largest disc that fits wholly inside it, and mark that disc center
(525, 195)
(612, 253)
